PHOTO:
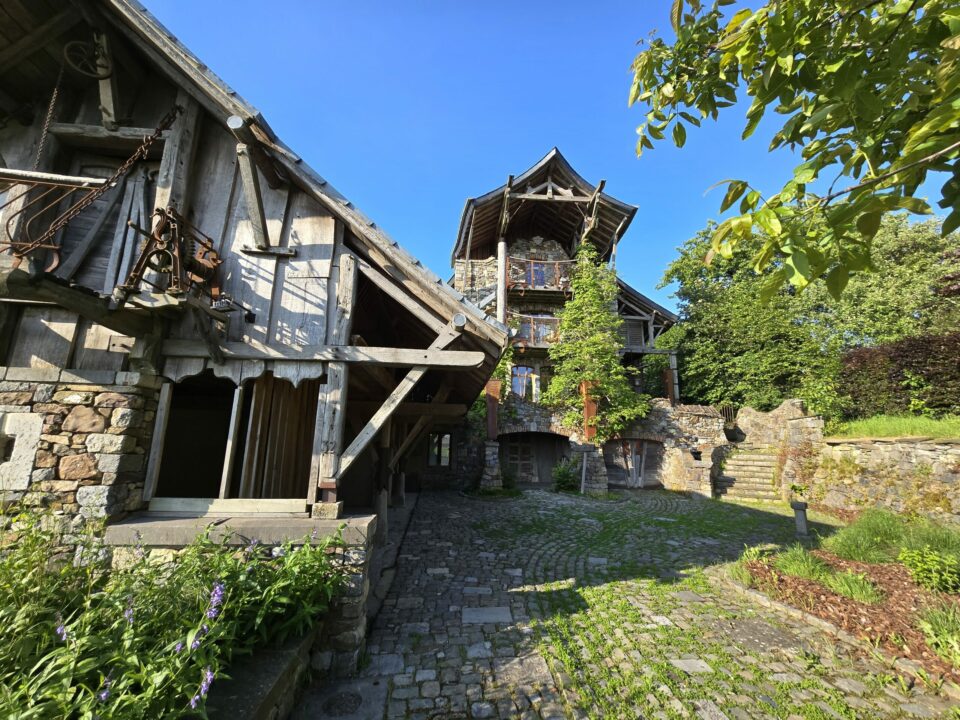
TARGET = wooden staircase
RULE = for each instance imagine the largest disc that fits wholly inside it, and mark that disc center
(750, 474)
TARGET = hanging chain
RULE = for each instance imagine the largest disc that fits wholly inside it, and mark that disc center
(94, 194)
(48, 120)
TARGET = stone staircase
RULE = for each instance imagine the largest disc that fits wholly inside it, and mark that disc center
(749, 474)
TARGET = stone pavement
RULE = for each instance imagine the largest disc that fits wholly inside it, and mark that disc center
(552, 606)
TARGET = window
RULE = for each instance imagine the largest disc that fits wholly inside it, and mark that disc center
(521, 381)
(439, 450)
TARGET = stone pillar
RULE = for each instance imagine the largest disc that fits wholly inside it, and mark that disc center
(491, 478)
(595, 479)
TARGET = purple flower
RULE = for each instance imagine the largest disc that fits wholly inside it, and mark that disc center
(205, 684)
(195, 644)
(105, 688)
(216, 600)
(178, 647)
(61, 630)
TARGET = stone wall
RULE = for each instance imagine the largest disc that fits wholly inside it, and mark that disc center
(475, 278)
(913, 476)
(75, 442)
(693, 443)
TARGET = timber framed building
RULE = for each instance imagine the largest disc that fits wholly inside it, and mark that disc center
(194, 323)
(513, 257)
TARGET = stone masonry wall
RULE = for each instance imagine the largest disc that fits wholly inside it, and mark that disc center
(75, 441)
(912, 476)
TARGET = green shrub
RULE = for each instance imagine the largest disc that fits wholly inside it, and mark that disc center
(799, 562)
(876, 536)
(941, 626)
(566, 476)
(855, 586)
(932, 570)
(84, 640)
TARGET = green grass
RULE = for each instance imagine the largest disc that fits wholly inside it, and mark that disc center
(941, 626)
(900, 426)
(855, 586)
(800, 563)
(879, 536)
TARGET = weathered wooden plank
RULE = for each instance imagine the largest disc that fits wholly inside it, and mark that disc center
(94, 347)
(35, 40)
(174, 180)
(402, 297)
(44, 338)
(157, 441)
(386, 356)
(109, 96)
(79, 253)
(437, 408)
(113, 275)
(250, 181)
(422, 423)
(233, 436)
(242, 132)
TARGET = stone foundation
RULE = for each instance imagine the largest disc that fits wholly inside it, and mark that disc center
(490, 478)
(76, 442)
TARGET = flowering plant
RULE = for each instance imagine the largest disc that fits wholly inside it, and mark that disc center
(80, 639)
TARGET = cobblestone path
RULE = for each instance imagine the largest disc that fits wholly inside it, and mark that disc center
(550, 606)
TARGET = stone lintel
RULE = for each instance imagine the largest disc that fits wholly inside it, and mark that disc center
(179, 532)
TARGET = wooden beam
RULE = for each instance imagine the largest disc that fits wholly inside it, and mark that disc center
(18, 285)
(555, 198)
(229, 506)
(402, 296)
(35, 40)
(97, 137)
(17, 176)
(252, 198)
(405, 386)
(173, 178)
(437, 408)
(157, 440)
(390, 357)
(328, 432)
(233, 431)
(109, 100)
(244, 135)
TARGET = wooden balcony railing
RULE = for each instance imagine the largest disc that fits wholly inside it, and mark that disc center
(526, 274)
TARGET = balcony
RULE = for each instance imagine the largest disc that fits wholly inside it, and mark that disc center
(525, 274)
(534, 330)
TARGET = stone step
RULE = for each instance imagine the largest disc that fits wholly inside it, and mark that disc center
(751, 461)
(751, 489)
(757, 474)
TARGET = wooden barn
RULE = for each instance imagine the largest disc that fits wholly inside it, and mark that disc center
(193, 321)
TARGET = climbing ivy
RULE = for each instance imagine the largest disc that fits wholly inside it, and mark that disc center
(588, 349)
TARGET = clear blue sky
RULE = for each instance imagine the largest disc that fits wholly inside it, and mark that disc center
(409, 108)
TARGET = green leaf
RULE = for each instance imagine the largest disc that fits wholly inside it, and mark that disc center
(837, 280)
(768, 220)
(914, 205)
(679, 134)
(772, 286)
(734, 191)
(804, 173)
(951, 223)
(869, 223)
(676, 14)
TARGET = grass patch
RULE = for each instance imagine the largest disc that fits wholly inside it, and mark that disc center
(900, 426)
(941, 627)
(880, 536)
(797, 561)
(855, 586)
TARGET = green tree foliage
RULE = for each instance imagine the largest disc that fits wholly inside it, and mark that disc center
(737, 349)
(869, 92)
(588, 349)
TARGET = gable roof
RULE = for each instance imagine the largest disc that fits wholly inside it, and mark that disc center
(137, 24)
(635, 297)
(553, 174)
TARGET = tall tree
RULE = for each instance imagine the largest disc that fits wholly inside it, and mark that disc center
(736, 349)
(870, 95)
(588, 350)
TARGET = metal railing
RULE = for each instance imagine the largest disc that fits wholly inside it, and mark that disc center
(527, 274)
(534, 330)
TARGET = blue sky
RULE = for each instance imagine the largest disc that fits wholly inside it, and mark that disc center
(409, 108)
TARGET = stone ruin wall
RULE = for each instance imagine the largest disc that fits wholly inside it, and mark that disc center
(76, 442)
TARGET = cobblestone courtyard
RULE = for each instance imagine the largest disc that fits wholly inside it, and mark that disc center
(550, 606)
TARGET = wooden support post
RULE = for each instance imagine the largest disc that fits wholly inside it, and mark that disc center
(674, 379)
(491, 394)
(156, 441)
(331, 408)
(589, 410)
(233, 430)
(252, 198)
(245, 136)
(106, 69)
(174, 177)
(403, 389)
